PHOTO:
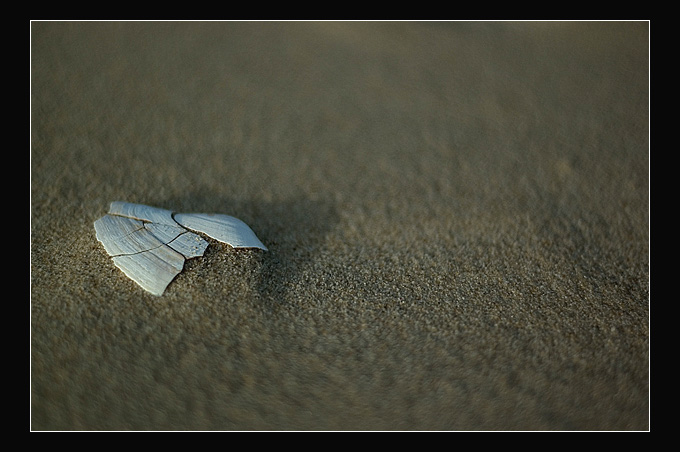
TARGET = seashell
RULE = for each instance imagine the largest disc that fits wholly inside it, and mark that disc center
(221, 227)
(150, 244)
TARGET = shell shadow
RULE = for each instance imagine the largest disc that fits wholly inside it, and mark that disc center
(292, 229)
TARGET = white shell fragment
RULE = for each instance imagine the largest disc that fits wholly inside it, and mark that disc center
(150, 244)
(221, 227)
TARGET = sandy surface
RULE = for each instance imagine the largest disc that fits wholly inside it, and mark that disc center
(457, 216)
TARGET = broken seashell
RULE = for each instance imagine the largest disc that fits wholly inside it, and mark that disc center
(221, 227)
(150, 244)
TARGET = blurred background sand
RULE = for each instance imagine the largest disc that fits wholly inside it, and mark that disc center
(457, 216)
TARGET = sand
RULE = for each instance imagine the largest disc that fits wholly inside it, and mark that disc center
(457, 217)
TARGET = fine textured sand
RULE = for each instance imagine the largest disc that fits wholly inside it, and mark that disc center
(457, 216)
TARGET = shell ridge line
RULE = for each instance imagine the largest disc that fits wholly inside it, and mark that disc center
(140, 252)
(181, 234)
(141, 212)
(156, 225)
(114, 214)
(126, 235)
